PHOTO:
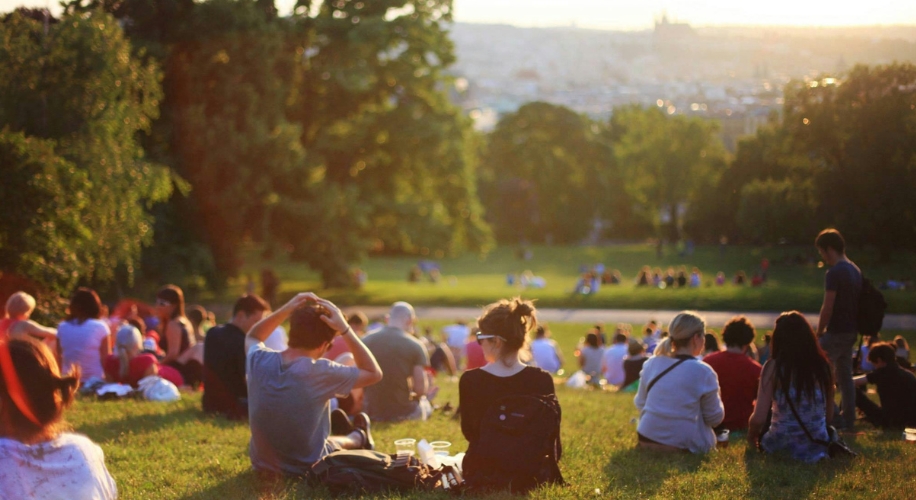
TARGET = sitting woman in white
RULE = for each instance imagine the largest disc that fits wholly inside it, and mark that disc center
(37, 460)
(678, 398)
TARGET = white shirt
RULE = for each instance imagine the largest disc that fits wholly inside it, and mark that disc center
(66, 468)
(683, 406)
(80, 344)
(277, 340)
(457, 335)
(613, 363)
(544, 354)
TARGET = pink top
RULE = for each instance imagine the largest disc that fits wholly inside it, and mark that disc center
(338, 347)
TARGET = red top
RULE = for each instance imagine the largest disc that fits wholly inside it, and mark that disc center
(475, 355)
(738, 379)
(138, 366)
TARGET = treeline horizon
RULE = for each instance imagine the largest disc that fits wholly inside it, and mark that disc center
(154, 142)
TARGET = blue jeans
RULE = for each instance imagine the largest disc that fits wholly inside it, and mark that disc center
(838, 347)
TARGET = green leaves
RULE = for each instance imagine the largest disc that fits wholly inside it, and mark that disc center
(70, 121)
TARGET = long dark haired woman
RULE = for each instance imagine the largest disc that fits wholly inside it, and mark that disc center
(176, 334)
(798, 374)
(38, 459)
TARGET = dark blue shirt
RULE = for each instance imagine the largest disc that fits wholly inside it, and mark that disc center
(846, 280)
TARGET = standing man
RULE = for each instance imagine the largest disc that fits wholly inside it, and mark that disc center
(404, 360)
(225, 388)
(836, 327)
(289, 392)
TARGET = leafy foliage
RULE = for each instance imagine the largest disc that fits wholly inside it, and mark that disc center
(70, 120)
(546, 171)
(667, 162)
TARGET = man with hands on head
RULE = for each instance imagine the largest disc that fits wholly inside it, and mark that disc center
(289, 391)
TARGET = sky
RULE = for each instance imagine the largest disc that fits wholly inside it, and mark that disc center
(640, 14)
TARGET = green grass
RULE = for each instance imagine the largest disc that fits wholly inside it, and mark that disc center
(474, 281)
(172, 451)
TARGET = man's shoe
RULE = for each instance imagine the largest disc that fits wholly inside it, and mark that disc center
(340, 423)
(361, 422)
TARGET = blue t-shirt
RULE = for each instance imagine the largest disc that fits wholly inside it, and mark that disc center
(846, 280)
(288, 409)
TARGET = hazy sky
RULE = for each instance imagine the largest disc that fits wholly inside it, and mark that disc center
(639, 14)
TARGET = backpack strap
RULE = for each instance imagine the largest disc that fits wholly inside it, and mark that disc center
(662, 374)
(802, 424)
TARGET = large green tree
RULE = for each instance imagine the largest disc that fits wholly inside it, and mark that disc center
(70, 119)
(546, 173)
(860, 134)
(668, 163)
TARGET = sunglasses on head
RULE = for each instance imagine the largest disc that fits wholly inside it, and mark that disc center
(160, 302)
(481, 337)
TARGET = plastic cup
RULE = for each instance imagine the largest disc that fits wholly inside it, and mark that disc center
(405, 446)
(909, 434)
(722, 439)
(441, 447)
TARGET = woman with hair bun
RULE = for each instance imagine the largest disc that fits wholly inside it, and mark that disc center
(678, 398)
(502, 331)
(37, 459)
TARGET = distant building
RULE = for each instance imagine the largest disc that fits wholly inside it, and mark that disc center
(670, 34)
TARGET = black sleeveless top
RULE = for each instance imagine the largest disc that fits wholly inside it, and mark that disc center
(185, 338)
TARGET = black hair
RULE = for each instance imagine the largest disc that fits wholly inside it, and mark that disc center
(250, 304)
(738, 332)
(711, 342)
(591, 339)
(830, 238)
(799, 359)
(885, 351)
(84, 304)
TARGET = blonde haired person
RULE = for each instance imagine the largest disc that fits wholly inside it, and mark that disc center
(38, 459)
(19, 308)
(678, 398)
(129, 366)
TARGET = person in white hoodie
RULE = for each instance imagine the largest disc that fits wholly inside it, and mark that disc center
(37, 460)
(678, 412)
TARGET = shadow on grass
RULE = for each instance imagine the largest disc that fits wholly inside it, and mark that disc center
(150, 422)
(779, 476)
(641, 473)
(250, 484)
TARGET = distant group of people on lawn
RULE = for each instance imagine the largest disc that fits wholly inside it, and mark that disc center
(317, 387)
(592, 279)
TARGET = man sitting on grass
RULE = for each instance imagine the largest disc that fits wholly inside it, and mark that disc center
(289, 392)
(896, 390)
(738, 374)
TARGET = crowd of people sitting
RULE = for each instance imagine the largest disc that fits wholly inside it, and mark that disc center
(317, 388)
(591, 279)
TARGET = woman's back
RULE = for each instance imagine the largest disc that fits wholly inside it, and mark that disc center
(682, 407)
(591, 357)
(478, 389)
(80, 345)
(67, 467)
(786, 433)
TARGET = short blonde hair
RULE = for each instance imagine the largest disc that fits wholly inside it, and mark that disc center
(682, 328)
(20, 304)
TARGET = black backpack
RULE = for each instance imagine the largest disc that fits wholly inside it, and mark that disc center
(365, 471)
(871, 309)
(518, 447)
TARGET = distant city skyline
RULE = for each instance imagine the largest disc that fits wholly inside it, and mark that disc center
(628, 15)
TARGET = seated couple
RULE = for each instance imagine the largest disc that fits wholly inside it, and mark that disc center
(289, 391)
(679, 412)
